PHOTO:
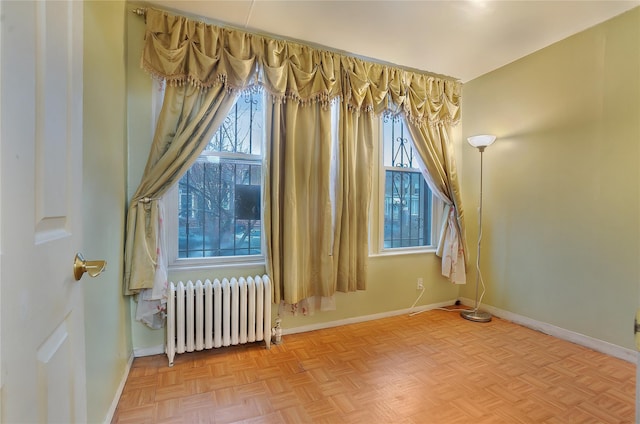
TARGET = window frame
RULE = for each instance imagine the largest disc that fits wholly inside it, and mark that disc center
(171, 230)
(437, 205)
(171, 212)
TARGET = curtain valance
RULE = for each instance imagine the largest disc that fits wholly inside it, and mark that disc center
(181, 51)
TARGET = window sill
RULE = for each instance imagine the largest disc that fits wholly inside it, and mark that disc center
(399, 252)
(193, 265)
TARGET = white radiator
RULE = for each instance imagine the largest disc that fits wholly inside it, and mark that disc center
(219, 313)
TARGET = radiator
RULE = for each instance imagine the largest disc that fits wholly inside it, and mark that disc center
(215, 314)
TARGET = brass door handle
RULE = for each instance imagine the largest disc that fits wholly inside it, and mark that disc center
(93, 268)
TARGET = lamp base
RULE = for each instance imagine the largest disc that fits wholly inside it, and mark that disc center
(476, 316)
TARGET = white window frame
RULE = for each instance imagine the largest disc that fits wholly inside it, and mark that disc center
(437, 206)
(171, 201)
(171, 230)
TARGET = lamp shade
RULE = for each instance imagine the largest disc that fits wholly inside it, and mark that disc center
(482, 140)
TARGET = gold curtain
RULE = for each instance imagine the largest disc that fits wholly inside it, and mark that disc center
(302, 81)
(298, 208)
(184, 51)
(432, 143)
(354, 176)
(188, 119)
(353, 197)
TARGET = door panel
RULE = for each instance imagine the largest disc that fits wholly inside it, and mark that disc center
(41, 315)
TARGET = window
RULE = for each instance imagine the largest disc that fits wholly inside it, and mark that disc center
(408, 202)
(218, 199)
(217, 203)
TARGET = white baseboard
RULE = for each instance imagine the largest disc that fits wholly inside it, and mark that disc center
(159, 350)
(598, 345)
(337, 323)
(116, 398)
(607, 348)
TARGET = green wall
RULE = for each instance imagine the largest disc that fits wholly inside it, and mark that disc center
(107, 320)
(561, 212)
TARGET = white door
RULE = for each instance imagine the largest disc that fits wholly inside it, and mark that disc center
(42, 331)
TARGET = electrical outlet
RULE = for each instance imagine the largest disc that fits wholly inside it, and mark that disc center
(420, 286)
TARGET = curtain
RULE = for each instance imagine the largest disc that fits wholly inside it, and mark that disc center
(353, 197)
(353, 191)
(435, 157)
(298, 207)
(209, 63)
(188, 119)
(183, 51)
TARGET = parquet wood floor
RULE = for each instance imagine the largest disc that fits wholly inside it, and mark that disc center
(431, 368)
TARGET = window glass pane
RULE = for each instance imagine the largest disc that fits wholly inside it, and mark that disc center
(407, 199)
(219, 211)
(407, 210)
(242, 130)
(219, 205)
(397, 143)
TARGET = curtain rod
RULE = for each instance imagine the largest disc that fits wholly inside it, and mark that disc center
(140, 11)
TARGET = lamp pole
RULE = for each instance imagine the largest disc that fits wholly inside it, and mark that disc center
(475, 314)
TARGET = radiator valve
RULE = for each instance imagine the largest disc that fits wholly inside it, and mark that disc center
(277, 332)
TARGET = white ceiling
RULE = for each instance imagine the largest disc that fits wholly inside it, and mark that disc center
(458, 38)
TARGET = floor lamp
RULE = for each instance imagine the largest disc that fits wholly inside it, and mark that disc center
(480, 142)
